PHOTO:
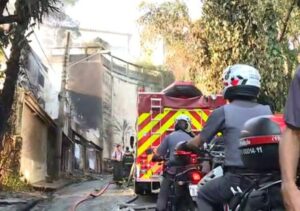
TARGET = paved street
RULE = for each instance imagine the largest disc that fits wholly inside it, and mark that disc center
(111, 200)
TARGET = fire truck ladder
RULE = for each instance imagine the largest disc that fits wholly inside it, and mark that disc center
(156, 107)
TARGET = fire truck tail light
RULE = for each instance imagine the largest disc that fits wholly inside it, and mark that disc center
(195, 177)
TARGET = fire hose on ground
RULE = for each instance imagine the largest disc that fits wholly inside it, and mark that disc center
(99, 193)
(94, 194)
(91, 196)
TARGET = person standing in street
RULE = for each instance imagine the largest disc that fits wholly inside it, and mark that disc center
(117, 158)
(128, 160)
(289, 147)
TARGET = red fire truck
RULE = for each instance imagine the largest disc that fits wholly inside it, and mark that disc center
(156, 117)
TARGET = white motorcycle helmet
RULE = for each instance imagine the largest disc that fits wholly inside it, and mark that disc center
(241, 80)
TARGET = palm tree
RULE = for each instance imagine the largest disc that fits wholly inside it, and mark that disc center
(21, 19)
(121, 127)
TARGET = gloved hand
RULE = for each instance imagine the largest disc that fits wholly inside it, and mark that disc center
(157, 158)
(185, 147)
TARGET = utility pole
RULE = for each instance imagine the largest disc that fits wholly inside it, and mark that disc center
(64, 81)
(62, 101)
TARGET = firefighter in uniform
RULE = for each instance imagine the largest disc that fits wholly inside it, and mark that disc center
(241, 87)
(128, 160)
(166, 150)
(289, 147)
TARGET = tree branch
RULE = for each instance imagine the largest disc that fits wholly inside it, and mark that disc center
(3, 4)
(8, 19)
(12, 71)
(286, 21)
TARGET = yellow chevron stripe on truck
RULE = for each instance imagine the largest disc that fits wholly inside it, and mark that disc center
(161, 130)
(143, 117)
(203, 115)
(148, 143)
(194, 121)
(151, 124)
(151, 171)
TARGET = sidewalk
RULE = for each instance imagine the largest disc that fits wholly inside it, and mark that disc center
(52, 186)
(43, 190)
(26, 200)
(19, 200)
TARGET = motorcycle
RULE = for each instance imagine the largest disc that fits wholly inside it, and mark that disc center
(184, 172)
(259, 152)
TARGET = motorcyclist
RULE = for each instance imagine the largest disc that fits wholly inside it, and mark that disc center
(241, 88)
(166, 150)
(289, 147)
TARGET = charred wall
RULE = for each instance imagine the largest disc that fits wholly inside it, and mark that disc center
(85, 92)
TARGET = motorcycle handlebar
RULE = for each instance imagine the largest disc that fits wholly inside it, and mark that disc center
(157, 158)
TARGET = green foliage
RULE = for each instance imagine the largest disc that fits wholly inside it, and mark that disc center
(28, 13)
(4, 39)
(95, 45)
(13, 182)
(34, 10)
(10, 179)
(229, 32)
(157, 19)
(121, 127)
(166, 22)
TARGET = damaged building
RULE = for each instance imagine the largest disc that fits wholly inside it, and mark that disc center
(43, 157)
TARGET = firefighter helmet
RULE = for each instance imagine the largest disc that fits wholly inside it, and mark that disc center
(241, 80)
(183, 117)
(186, 120)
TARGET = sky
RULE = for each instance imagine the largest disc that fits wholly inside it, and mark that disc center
(109, 15)
(118, 16)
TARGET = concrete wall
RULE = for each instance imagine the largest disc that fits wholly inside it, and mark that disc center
(34, 146)
(119, 95)
(107, 138)
(124, 108)
(40, 83)
(120, 104)
(121, 82)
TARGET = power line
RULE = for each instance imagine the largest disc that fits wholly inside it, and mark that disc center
(91, 30)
